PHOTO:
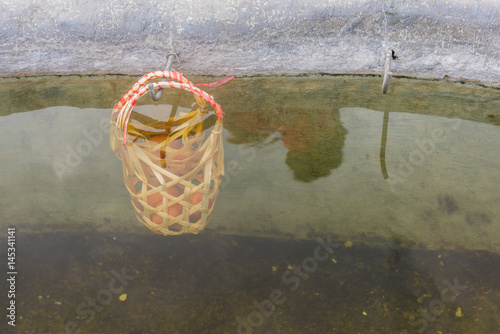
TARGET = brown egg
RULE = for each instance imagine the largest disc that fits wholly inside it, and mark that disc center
(173, 191)
(156, 219)
(180, 157)
(173, 210)
(196, 198)
(159, 139)
(155, 199)
(194, 217)
(175, 144)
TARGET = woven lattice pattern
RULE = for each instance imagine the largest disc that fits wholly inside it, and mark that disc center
(172, 167)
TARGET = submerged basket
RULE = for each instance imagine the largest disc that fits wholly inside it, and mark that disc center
(172, 166)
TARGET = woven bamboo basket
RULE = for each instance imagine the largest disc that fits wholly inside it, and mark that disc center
(172, 166)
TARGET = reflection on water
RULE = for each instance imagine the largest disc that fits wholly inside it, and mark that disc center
(427, 159)
(343, 211)
(314, 140)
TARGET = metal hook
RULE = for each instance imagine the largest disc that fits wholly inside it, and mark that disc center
(387, 71)
(170, 59)
(154, 96)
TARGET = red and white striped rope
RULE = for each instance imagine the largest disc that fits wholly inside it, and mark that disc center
(127, 103)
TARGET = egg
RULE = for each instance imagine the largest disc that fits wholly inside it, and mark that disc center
(173, 210)
(194, 199)
(194, 217)
(155, 199)
(173, 191)
(156, 219)
(180, 157)
(159, 139)
(175, 144)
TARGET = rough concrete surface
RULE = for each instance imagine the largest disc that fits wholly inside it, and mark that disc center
(458, 38)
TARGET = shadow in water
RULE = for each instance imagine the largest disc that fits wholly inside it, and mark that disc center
(314, 138)
(383, 144)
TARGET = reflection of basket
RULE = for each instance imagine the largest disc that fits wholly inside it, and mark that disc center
(171, 168)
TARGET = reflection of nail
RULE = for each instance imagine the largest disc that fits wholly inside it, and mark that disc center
(383, 145)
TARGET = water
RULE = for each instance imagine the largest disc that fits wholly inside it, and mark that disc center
(405, 187)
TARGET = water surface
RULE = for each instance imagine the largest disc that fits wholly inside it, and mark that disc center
(404, 185)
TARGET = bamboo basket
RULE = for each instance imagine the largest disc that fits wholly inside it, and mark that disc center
(173, 166)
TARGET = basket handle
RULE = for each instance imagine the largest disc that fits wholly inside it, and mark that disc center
(124, 108)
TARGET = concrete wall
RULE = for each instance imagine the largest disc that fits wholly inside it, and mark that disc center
(458, 38)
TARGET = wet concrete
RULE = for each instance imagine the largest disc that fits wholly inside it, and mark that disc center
(222, 284)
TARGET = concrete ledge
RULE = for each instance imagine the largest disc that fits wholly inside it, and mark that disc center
(457, 38)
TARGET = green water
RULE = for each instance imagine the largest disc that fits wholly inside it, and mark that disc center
(404, 185)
